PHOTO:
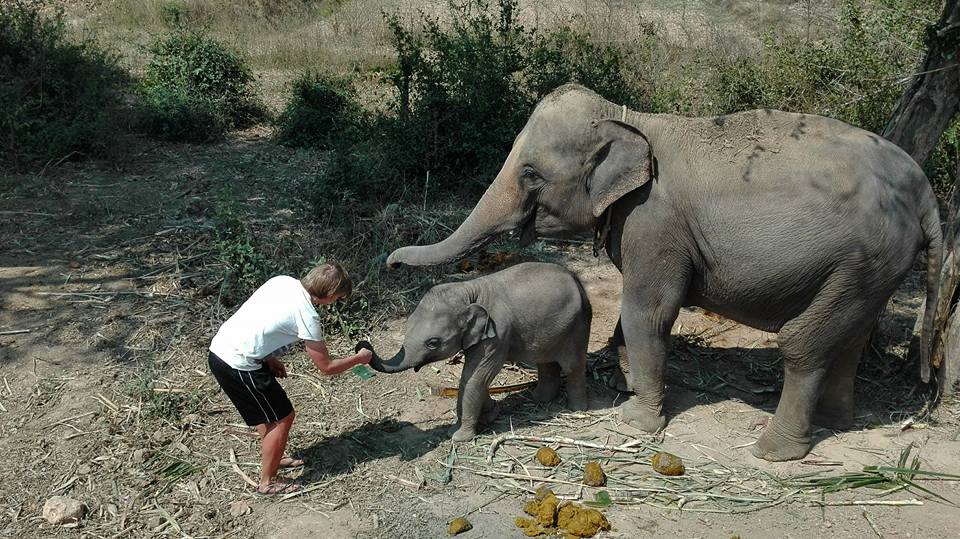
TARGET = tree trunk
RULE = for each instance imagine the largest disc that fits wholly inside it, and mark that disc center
(933, 98)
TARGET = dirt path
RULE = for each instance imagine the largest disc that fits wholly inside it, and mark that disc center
(107, 399)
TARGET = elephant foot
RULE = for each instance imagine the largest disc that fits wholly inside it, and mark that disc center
(546, 390)
(491, 410)
(833, 418)
(777, 446)
(578, 403)
(464, 434)
(645, 418)
(618, 380)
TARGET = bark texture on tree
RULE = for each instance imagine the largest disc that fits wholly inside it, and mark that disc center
(933, 98)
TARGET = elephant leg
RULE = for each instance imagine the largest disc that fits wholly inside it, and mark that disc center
(572, 359)
(548, 382)
(618, 379)
(818, 344)
(835, 407)
(787, 437)
(647, 316)
(481, 365)
(491, 411)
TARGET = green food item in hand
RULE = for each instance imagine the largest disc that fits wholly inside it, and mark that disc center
(363, 372)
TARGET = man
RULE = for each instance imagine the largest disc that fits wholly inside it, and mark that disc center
(244, 358)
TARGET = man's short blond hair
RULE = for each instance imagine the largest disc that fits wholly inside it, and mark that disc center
(327, 280)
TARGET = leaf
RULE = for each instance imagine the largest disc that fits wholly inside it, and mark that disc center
(600, 499)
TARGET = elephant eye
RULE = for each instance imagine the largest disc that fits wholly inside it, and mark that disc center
(432, 343)
(531, 177)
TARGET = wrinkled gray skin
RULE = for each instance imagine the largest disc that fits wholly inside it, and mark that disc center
(788, 223)
(533, 312)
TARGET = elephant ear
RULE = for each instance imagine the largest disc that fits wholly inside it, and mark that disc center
(477, 326)
(621, 163)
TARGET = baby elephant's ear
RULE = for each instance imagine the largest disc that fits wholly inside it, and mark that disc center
(477, 326)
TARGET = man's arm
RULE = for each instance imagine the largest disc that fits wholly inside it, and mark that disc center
(317, 350)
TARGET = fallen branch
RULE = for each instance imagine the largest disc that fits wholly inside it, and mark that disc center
(236, 468)
(491, 473)
(306, 490)
(15, 332)
(896, 503)
(555, 440)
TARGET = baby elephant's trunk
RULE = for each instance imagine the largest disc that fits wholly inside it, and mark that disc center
(394, 364)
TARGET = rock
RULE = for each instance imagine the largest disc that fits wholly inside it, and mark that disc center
(459, 525)
(548, 457)
(140, 456)
(63, 510)
(155, 522)
(593, 475)
(83, 469)
(240, 508)
(667, 464)
(581, 521)
(112, 509)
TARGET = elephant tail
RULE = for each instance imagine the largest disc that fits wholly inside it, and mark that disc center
(933, 237)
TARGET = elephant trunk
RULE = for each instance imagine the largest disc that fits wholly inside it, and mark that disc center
(499, 210)
(394, 364)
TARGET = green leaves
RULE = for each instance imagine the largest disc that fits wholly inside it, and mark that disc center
(600, 499)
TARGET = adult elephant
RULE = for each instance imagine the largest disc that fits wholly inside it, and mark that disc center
(792, 223)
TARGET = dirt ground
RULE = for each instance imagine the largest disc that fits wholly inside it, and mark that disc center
(106, 310)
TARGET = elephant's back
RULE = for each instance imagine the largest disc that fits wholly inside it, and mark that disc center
(543, 297)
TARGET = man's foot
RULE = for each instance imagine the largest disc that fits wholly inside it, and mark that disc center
(290, 462)
(278, 487)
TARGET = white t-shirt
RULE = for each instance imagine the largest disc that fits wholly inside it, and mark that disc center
(277, 315)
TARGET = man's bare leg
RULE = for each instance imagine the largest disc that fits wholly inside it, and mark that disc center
(273, 441)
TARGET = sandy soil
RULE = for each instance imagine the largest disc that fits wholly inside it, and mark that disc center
(101, 275)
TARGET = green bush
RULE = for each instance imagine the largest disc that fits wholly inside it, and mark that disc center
(245, 267)
(463, 92)
(322, 112)
(855, 77)
(58, 98)
(189, 74)
(175, 115)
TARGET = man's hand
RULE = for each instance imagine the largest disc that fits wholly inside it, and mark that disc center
(276, 367)
(365, 354)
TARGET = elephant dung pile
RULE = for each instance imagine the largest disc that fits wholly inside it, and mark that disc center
(667, 464)
(550, 517)
(548, 457)
(458, 526)
(593, 475)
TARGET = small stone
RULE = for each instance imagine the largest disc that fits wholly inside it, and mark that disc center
(548, 457)
(112, 509)
(459, 525)
(667, 464)
(154, 522)
(240, 508)
(140, 456)
(63, 510)
(83, 469)
(75, 264)
(593, 475)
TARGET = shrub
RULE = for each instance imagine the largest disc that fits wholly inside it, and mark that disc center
(321, 113)
(463, 92)
(190, 73)
(57, 98)
(175, 115)
(244, 266)
(855, 77)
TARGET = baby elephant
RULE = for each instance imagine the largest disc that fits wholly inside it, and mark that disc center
(532, 312)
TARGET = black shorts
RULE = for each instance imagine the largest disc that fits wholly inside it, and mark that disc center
(256, 394)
